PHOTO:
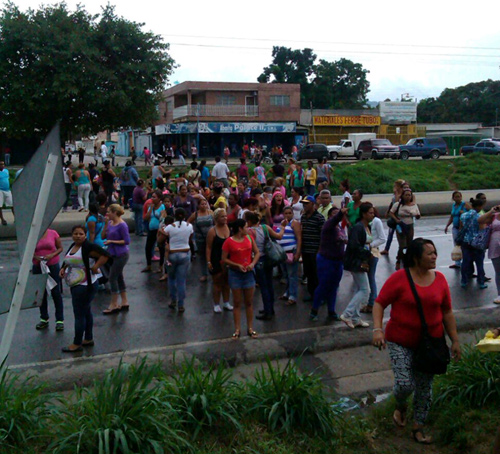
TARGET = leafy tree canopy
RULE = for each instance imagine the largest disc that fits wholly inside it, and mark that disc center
(92, 72)
(328, 85)
(471, 103)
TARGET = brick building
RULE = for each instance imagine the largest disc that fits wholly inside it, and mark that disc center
(216, 114)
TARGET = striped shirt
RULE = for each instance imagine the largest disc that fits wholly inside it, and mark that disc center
(289, 240)
(311, 232)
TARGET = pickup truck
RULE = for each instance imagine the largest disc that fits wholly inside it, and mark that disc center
(347, 147)
(426, 148)
(486, 146)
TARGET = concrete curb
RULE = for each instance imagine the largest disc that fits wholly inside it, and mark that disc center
(62, 375)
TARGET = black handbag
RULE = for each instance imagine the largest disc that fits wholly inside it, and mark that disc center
(432, 355)
(391, 222)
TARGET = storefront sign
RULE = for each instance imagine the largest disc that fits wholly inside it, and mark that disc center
(176, 128)
(228, 128)
(341, 120)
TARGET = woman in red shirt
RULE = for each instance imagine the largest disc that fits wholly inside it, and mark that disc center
(404, 328)
(240, 254)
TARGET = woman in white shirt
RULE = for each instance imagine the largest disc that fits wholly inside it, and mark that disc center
(378, 239)
(178, 258)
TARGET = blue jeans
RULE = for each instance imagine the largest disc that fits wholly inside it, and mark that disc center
(470, 256)
(352, 310)
(454, 232)
(372, 281)
(139, 222)
(329, 276)
(390, 236)
(177, 275)
(291, 274)
(55, 292)
(82, 296)
(264, 277)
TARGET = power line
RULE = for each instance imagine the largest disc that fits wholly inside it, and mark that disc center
(221, 46)
(429, 46)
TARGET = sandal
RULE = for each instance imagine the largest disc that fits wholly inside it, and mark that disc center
(290, 303)
(402, 418)
(163, 278)
(181, 309)
(283, 298)
(236, 335)
(423, 440)
(252, 334)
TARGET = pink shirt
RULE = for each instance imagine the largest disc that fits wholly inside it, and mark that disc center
(46, 246)
(494, 247)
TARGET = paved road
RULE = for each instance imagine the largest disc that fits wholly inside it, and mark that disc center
(150, 323)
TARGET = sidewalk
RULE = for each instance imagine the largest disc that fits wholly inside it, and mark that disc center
(430, 204)
(345, 358)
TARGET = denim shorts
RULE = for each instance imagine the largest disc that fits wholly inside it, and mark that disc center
(239, 280)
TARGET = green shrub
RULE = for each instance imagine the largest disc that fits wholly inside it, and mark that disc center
(121, 414)
(473, 381)
(205, 398)
(285, 400)
(23, 411)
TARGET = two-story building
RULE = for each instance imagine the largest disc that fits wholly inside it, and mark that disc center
(218, 114)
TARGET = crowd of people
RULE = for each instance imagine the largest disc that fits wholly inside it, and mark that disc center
(248, 228)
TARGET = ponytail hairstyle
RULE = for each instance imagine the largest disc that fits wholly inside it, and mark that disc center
(180, 215)
(238, 225)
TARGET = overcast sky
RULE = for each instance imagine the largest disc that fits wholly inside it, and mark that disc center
(419, 48)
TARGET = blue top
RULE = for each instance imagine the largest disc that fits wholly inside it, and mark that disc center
(470, 224)
(205, 174)
(154, 221)
(289, 240)
(99, 225)
(4, 180)
(455, 212)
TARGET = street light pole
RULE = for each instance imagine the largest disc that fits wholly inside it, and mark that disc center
(198, 128)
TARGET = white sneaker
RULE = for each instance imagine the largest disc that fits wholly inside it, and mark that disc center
(227, 306)
(347, 321)
(217, 309)
(362, 324)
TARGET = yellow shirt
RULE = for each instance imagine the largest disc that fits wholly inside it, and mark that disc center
(311, 176)
(233, 182)
(222, 200)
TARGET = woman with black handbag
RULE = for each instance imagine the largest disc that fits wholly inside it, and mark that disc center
(420, 314)
(356, 260)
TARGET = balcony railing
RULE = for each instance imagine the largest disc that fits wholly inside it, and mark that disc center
(204, 110)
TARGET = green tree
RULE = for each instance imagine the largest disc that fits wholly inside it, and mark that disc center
(474, 102)
(292, 67)
(92, 72)
(339, 84)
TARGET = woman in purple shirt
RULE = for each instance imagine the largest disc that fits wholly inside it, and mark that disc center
(329, 262)
(117, 241)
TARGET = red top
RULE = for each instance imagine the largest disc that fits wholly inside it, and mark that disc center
(404, 327)
(240, 253)
(47, 245)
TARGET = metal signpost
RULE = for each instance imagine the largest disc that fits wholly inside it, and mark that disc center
(39, 194)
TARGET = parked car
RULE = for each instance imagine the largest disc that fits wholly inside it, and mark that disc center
(486, 146)
(377, 149)
(426, 148)
(347, 147)
(313, 151)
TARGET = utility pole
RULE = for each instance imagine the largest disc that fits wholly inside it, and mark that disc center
(312, 122)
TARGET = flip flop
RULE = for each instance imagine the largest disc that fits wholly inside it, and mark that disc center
(422, 441)
(402, 420)
(111, 311)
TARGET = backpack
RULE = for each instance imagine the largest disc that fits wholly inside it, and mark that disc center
(125, 175)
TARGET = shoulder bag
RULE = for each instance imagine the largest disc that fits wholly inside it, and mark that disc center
(482, 240)
(275, 254)
(391, 223)
(432, 355)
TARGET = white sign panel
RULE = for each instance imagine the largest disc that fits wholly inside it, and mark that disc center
(398, 111)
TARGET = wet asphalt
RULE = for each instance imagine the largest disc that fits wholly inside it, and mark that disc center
(151, 323)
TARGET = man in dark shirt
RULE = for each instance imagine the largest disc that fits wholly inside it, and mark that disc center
(277, 170)
(312, 223)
